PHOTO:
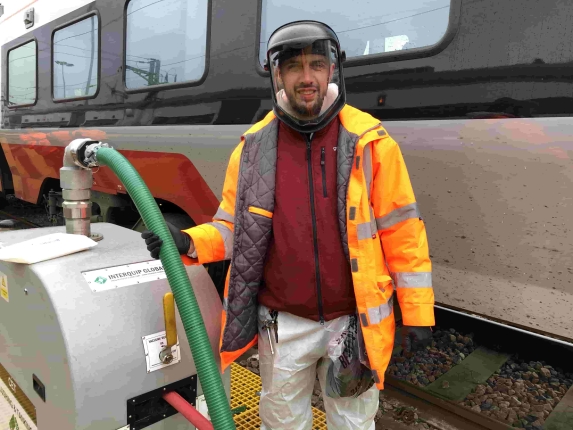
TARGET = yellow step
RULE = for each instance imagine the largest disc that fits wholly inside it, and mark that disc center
(244, 387)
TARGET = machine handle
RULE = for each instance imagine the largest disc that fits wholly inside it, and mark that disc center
(169, 314)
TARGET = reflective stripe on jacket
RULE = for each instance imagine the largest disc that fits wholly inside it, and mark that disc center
(383, 235)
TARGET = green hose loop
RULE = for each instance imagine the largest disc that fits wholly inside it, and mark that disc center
(207, 369)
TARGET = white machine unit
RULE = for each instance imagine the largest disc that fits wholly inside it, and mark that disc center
(80, 337)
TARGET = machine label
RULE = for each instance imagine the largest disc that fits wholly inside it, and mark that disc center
(124, 276)
(4, 286)
(153, 344)
(16, 411)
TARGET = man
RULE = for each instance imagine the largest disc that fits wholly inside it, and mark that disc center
(319, 219)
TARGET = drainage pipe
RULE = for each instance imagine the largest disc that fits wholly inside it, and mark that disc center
(188, 411)
(76, 183)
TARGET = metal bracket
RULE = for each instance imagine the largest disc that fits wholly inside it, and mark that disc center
(29, 18)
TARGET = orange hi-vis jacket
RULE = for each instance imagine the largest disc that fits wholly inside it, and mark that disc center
(383, 235)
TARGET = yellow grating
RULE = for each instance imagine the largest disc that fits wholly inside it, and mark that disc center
(244, 387)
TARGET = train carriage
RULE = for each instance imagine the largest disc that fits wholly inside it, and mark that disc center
(478, 93)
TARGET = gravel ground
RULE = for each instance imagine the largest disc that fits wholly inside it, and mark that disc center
(522, 394)
(448, 348)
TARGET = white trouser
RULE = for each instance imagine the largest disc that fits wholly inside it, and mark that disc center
(288, 378)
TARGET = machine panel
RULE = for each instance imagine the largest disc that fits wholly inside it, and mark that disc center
(81, 349)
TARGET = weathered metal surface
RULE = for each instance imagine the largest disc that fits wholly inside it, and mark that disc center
(496, 198)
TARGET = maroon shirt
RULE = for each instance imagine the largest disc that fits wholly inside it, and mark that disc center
(290, 281)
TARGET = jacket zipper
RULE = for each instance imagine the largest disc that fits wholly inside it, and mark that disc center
(322, 164)
(310, 182)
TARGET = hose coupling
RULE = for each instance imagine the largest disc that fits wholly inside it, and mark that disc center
(90, 154)
(76, 180)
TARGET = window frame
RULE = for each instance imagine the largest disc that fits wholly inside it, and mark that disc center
(174, 85)
(383, 57)
(60, 27)
(33, 39)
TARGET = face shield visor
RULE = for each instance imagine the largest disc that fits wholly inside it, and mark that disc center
(307, 86)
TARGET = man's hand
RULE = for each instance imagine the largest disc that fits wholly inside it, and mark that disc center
(415, 338)
(182, 241)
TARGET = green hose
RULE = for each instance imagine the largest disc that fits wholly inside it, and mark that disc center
(209, 376)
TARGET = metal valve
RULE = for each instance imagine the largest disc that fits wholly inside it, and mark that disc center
(165, 355)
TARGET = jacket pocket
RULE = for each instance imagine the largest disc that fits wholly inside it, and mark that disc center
(259, 211)
(385, 285)
(386, 288)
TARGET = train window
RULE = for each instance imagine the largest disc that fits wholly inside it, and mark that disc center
(363, 27)
(166, 42)
(75, 60)
(22, 74)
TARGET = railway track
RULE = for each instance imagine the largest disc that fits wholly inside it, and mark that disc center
(9, 217)
(478, 374)
(509, 379)
(24, 215)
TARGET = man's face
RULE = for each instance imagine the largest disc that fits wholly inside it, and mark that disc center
(305, 79)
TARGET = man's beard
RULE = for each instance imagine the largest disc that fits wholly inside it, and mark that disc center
(302, 109)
